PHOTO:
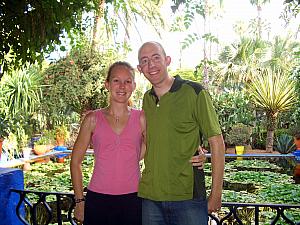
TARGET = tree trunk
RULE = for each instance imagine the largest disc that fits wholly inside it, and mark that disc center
(97, 26)
(205, 67)
(270, 141)
(259, 21)
(271, 126)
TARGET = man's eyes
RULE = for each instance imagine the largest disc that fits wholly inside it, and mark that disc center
(156, 58)
(144, 61)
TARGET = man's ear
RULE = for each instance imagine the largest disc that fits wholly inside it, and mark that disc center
(139, 68)
(168, 60)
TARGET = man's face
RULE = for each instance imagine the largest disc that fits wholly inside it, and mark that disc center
(153, 63)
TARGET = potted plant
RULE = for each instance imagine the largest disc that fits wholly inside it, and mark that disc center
(239, 136)
(44, 143)
(23, 141)
(61, 134)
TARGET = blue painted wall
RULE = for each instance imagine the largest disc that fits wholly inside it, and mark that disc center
(10, 178)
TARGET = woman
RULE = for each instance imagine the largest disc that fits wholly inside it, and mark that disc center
(118, 136)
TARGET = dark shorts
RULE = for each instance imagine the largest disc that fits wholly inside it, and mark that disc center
(103, 209)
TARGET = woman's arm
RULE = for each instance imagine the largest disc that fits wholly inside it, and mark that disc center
(143, 126)
(81, 144)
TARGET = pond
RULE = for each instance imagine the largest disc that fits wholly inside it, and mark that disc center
(245, 181)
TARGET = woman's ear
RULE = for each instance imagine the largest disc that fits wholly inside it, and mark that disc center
(106, 84)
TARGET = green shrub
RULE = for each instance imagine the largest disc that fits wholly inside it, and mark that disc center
(233, 107)
(240, 134)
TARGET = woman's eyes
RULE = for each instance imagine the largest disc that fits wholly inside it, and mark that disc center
(117, 81)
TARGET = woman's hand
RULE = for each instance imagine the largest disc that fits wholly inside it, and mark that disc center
(199, 159)
(79, 212)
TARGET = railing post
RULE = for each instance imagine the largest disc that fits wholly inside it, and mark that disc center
(10, 178)
(256, 215)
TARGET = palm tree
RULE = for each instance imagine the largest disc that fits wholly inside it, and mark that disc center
(239, 59)
(258, 4)
(273, 92)
(283, 53)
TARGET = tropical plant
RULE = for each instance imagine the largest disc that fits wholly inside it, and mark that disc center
(192, 11)
(4, 126)
(283, 55)
(259, 25)
(239, 59)
(61, 134)
(75, 83)
(42, 141)
(113, 16)
(233, 106)
(10, 145)
(285, 144)
(61, 131)
(22, 90)
(296, 73)
(239, 135)
(47, 138)
(291, 10)
(273, 92)
(23, 139)
(187, 74)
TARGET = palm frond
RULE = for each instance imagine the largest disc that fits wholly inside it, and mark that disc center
(273, 91)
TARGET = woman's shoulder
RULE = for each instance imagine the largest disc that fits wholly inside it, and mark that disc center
(92, 115)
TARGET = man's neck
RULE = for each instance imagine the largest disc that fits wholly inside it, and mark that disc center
(164, 87)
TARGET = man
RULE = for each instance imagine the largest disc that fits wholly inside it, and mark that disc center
(177, 112)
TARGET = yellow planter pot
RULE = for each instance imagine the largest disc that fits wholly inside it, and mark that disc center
(41, 149)
(239, 151)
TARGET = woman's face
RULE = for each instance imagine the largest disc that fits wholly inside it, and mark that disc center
(120, 84)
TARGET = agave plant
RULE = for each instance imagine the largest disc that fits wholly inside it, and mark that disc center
(273, 92)
(285, 144)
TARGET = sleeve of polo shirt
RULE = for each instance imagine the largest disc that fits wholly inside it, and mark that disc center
(207, 116)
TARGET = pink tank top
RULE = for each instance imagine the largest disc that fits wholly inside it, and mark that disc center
(116, 169)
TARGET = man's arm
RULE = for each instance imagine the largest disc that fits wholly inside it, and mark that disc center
(217, 148)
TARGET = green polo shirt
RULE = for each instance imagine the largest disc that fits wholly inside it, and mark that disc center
(174, 126)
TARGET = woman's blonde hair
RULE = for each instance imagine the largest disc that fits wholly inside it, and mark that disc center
(119, 63)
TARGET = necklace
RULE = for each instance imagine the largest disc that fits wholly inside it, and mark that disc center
(117, 119)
